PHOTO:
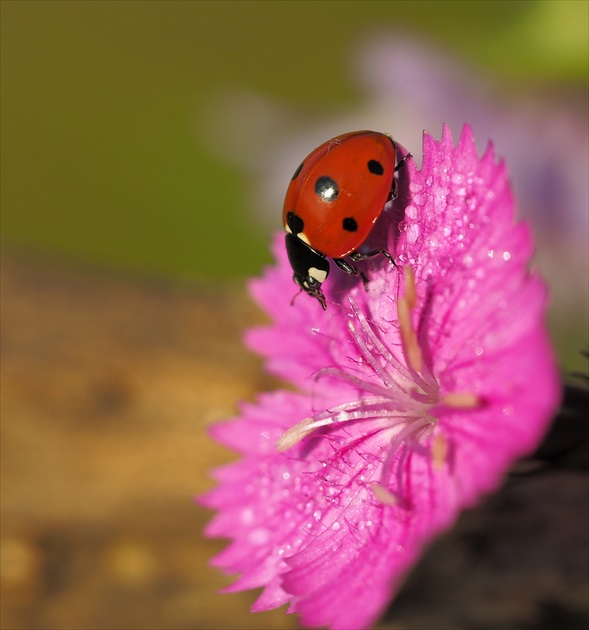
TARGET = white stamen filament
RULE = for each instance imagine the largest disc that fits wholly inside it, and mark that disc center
(411, 429)
(379, 346)
(297, 432)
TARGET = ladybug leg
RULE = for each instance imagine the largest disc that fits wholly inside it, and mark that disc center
(402, 162)
(345, 266)
(355, 256)
(319, 296)
(394, 192)
(358, 256)
(352, 271)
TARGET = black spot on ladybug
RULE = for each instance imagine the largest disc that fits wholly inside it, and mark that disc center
(294, 222)
(375, 167)
(326, 188)
(349, 224)
(299, 169)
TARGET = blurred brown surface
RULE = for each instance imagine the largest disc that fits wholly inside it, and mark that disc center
(107, 387)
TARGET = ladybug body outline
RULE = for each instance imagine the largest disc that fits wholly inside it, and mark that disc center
(332, 203)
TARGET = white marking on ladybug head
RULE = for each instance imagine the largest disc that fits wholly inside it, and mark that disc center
(317, 274)
(303, 238)
(287, 228)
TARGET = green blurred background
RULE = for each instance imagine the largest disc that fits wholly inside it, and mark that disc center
(102, 161)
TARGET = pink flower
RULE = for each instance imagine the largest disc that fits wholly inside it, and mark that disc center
(415, 396)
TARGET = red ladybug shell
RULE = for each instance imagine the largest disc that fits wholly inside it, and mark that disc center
(339, 191)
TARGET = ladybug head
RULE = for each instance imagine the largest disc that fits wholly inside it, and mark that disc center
(310, 267)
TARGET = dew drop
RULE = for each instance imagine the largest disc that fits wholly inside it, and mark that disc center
(412, 212)
(413, 233)
(506, 256)
(259, 536)
(247, 516)
(335, 526)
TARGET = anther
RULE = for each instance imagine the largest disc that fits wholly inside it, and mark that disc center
(439, 451)
(408, 335)
(295, 434)
(383, 495)
(458, 400)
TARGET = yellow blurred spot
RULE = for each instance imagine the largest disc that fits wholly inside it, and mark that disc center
(19, 561)
(131, 563)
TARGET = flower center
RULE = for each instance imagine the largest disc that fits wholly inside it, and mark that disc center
(401, 399)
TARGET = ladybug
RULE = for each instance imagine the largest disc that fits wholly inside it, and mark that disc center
(332, 202)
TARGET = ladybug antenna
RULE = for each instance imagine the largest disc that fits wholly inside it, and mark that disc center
(294, 297)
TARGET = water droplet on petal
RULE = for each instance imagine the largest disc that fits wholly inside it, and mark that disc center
(412, 212)
(413, 233)
(259, 536)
